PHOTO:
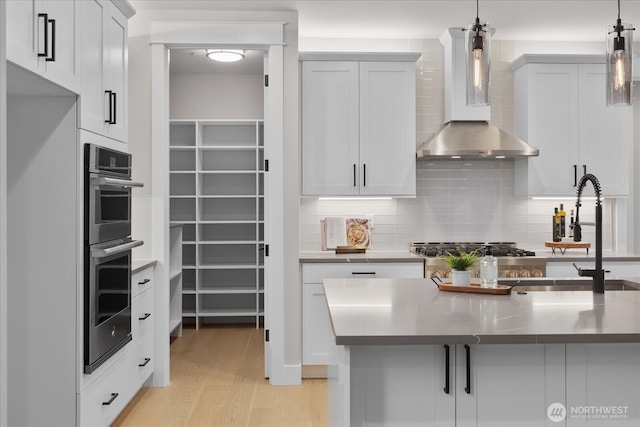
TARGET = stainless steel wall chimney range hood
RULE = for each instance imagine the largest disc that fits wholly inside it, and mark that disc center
(467, 132)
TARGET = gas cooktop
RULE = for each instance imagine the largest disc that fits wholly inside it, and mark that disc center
(499, 249)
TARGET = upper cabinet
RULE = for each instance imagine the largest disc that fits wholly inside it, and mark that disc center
(103, 105)
(41, 38)
(358, 124)
(561, 110)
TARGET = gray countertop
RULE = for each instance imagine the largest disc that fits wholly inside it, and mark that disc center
(141, 264)
(414, 311)
(572, 255)
(329, 256)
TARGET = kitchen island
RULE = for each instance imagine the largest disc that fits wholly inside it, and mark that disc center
(408, 354)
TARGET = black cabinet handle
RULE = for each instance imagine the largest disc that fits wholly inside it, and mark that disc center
(144, 282)
(45, 18)
(364, 272)
(146, 316)
(446, 369)
(146, 360)
(354, 174)
(364, 175)
(584, 170)
(575, 175)
(110, 401)
(52, 58)
(115, 104)
(112, 107)
(467, 349)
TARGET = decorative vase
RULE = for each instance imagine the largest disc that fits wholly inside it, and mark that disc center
(461, 278)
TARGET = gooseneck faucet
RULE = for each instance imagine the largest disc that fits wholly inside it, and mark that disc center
(598, 273)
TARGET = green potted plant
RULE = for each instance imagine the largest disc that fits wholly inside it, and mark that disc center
(460, 274)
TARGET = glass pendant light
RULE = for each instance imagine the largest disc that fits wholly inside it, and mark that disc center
(619, 63)
(478, 50)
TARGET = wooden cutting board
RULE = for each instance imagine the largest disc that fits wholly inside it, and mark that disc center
(475, 289)
(563, 246)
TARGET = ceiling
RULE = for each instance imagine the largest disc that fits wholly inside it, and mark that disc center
(531, 20)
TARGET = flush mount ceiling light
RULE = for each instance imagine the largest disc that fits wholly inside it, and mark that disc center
(619, 63)
(225, 55)
(478, 49)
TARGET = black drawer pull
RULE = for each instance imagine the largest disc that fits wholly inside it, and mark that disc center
(146, 360)
(110, 401)
(446, 369)
(364, 272)
(146, 316)
(144, 282)
(467, 349)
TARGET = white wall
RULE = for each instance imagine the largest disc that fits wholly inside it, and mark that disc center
(220, 96)
(457, 200)
(3, 218)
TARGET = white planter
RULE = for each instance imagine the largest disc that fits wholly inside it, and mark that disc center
(461, 278)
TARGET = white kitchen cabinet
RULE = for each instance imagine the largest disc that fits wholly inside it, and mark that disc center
(217, 195)
(561, 109)
(42, 38)
(493, 385)
(107, 391)
(358, 125)
(603, 383)
(506, 385)
(317, 335)
(104, 100)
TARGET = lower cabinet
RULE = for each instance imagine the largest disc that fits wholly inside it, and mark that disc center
(486, 385)
(107, 391)
(317, 335)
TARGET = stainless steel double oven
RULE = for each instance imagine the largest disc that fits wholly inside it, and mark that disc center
(108, 245)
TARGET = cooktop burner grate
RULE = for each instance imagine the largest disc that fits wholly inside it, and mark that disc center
(499, 249)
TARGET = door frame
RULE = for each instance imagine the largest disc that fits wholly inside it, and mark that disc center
(268, 37)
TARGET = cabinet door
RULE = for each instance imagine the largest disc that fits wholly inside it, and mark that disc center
(104, 31)
(29, 34)
(401, 386)
(603, 378)
(548, 120)
(330, 128)
(387, 129)
(605, 134)
(508, 384)
(317, 334)
(115, 73)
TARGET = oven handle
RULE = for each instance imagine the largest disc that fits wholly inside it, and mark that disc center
(101, 253)
(114, 181)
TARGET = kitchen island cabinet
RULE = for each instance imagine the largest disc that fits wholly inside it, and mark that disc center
(561, 110)
(358, 124)
(520, 359)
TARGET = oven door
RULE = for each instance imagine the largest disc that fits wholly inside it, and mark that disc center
(107, 301)
(109, 208)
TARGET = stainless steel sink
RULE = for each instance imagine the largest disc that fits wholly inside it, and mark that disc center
(550, 284)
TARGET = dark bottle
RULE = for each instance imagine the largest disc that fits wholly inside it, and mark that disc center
(563, 221)
(556, 225)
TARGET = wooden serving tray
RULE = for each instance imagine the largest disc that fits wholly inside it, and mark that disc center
(563, 246)
(475, 288)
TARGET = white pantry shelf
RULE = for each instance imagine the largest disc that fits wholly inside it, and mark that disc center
(217, 193)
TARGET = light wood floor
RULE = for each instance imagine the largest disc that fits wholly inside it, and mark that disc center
(217, 380)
